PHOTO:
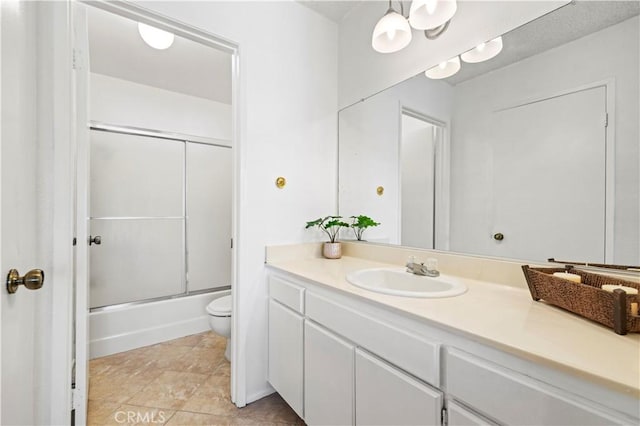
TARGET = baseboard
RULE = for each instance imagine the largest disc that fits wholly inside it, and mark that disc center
(268, 390)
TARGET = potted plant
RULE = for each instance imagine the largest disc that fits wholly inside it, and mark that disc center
(360, 223)
(331, 225)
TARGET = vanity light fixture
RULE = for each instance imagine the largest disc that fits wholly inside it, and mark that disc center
(444, 69)
(393, 30)
(483, 51)
(431, 14)
(155, 37)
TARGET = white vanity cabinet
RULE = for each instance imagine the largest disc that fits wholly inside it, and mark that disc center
(286, 340)
(343, 359)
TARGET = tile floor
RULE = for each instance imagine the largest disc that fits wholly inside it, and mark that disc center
(180, 382)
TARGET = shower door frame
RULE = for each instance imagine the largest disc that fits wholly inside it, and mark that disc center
(79, 109)
(184, 139)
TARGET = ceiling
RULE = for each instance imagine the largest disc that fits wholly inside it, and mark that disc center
(191, 68)
(187, 67)
(561, 26)
(334, 10)
(568, 23)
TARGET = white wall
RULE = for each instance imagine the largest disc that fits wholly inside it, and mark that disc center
(288, 84)
(121, 102)
(610, 53)
(475, 22)
(370, 137)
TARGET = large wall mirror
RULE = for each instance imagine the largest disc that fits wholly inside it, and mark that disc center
(530, 155)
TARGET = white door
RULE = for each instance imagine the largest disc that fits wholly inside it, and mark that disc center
(418, 146)
(549, 179)
(18, 212)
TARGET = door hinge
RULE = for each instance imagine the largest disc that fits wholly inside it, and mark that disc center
(77, 399)
(606, 120)
(74, 55)
(444, 418)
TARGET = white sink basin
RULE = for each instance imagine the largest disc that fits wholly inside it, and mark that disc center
(399, 282)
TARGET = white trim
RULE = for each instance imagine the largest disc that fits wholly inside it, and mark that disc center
(61, 275)
(80, 75)
(609, 85)
(1, 145)
(238, 357)
(122, 8)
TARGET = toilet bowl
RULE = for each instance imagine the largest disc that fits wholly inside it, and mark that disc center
(219, 312)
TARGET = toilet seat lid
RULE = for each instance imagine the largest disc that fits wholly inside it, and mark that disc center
(220, 307)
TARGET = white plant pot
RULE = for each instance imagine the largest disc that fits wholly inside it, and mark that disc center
(332, 250)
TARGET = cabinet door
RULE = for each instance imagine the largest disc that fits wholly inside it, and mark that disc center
(285, 354)
(386, 395)
(328, 370)
(461, 416)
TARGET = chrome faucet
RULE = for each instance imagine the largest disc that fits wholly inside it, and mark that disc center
(428, 270)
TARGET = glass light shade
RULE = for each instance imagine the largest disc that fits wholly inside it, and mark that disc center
(429, 14)
(155, 37)
(444, 69)
(483, 51)
(392, 33)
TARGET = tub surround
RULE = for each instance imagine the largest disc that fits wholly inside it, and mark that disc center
(133, 326)
(496, 311)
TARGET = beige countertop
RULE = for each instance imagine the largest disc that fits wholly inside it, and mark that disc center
(504, 317)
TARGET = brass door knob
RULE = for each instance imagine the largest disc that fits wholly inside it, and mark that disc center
(32, 280)
(499, 236)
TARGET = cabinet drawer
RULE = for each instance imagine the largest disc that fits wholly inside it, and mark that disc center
(513, 398)
(408, 351)
(461, 416)
(287, 293)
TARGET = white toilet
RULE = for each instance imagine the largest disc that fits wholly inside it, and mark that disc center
(219, 311)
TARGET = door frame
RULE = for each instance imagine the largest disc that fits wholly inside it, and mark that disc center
(609, 85)
(131, 11)
(442, 185)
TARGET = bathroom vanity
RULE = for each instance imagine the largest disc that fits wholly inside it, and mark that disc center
(340, 354)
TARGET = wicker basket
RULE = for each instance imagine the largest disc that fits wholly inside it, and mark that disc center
(586, 299)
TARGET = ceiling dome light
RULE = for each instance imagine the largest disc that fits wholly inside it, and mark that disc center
(155, 37)
(429, 14)
(483, 52)
(444, 69)
(392, 33)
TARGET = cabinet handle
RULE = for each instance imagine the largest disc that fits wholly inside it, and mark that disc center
(97, 240)
(498, 236)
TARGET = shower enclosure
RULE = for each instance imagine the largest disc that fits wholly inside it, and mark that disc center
(161, 207)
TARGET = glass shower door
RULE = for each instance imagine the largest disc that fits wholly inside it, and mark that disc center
(138, 209)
